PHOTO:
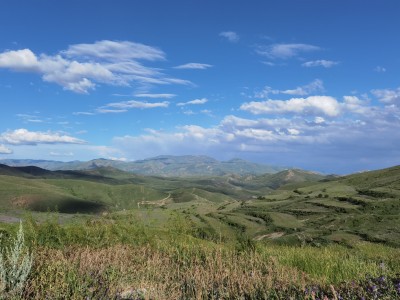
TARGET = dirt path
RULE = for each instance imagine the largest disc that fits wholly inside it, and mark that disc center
(160, 202)
(273, 235)
(8, 219)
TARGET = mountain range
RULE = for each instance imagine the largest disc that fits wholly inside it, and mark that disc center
(168, 166)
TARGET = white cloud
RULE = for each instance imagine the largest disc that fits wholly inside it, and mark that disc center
(193, 102)
(19, 60)
(346, 143)
(310, 105)
(83, 113)
(189, 112)
(61, 154)
(230, 36)
(316, 85)
(137, 104)
(268, 63)
(156, 96)
(110, 111)
(124, 106)
(387, 95)
(194, 66)
(5, 150)
(82, 67)
(25, 137)
(380, 69)
(30, 118)
(115, 51)
(320, 63)
(285, 51)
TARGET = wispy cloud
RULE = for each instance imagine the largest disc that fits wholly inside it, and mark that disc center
(115, 51)
(285, 51)
(5, 150)
(30, 118)
(320, 63)
(156, 96)
(197, 66)
(83, 113)
(380, 69)
(124, 106)
(387, 95)
(315, 86)
(137, 104)
(61, 154)
(231, 36)
(193, 102)
(25, 137)
(110, 111)
(82, 67)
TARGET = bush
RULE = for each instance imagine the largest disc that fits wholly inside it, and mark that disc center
(15, 265)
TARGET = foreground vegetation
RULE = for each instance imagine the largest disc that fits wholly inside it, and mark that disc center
(125, 257)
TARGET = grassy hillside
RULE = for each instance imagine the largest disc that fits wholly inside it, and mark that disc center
(289, 207)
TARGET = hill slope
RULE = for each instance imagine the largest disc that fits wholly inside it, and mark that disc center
(291, 207)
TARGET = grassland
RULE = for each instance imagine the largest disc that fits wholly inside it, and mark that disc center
(280, 236)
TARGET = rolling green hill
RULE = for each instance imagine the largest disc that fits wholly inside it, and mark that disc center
(290, 207)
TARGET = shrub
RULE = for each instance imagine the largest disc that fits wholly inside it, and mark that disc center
(15, 265)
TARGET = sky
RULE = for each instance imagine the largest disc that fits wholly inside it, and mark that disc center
(311, 84)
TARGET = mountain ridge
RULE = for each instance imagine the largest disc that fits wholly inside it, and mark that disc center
(165, 165)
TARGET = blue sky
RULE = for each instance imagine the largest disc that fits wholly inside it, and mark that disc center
(311, 84)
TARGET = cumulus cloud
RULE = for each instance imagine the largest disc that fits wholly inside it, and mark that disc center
(311, 105)
(387, 95)
(194, 66)
(19, 60)
(231, 36)
(320, 63)
(344, 143)
(82, 67)
(193, 102)
(5, 150)
(25, 137)
(285, 51)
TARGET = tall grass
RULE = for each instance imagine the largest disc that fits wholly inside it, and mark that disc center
(120, 258)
